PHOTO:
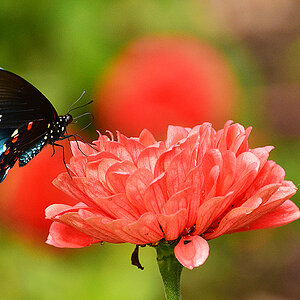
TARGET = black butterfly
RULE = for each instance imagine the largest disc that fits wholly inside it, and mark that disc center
(28, 122)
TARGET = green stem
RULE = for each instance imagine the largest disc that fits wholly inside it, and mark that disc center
(170, 270)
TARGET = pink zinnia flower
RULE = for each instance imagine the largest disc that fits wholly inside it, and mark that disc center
(197, 185)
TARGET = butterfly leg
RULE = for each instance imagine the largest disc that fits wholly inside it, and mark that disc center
(54, 149)
(63, 149)
(76, 136)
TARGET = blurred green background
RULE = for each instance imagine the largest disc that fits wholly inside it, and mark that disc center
(66, 47)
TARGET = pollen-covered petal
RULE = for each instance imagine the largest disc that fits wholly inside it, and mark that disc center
(64, 236)
(192, 251)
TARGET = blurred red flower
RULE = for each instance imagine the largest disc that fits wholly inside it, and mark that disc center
(27, 191)
(161, 80)
(197, 185)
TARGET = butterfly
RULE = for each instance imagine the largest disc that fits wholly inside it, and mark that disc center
(28, 121)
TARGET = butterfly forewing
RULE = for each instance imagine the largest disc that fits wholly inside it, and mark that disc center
(27, 121)
(21, 102)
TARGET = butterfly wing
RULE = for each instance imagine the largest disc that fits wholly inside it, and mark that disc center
(20, 140)
(21, 102)
(24, 117)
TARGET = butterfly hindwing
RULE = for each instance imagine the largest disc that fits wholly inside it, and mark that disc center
(18, 142)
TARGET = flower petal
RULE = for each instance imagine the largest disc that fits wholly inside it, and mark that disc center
(69, 186)
(132, 146)
(192, 251)
(176, 172)
(210, 210)
(146, 138)
(282, 215)
(117, 175)
(175, 134)
(78, 148)
(149, 156)
(173, 225)
(64, 236)
(156, 195)
(136, 186)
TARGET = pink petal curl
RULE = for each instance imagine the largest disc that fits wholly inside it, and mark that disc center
(192, 251)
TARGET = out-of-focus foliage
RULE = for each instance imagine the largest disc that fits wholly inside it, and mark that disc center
(65, 47)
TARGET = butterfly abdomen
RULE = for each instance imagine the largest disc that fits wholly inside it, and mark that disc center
(55, 132)
(29, 154)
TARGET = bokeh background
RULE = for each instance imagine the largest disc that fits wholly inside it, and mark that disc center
(147, 64)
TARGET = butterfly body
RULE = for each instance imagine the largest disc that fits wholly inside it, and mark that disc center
(28, 122)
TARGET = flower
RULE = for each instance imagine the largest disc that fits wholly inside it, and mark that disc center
(197, 185)
(152, 76)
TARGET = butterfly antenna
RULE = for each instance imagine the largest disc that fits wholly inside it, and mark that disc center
(84, 114)
(70, 107)
(81, 106)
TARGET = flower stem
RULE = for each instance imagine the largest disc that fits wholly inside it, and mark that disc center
(170, 270)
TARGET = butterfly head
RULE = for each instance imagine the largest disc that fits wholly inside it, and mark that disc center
(67, 119)
(58, 128)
